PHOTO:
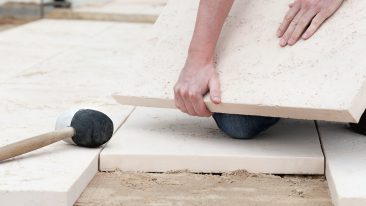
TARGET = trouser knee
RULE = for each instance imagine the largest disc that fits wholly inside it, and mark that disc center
(243, 126)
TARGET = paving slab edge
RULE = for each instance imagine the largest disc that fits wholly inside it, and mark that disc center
(77, 15)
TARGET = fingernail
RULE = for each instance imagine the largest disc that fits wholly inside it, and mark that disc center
(283, 42)
(305, 36)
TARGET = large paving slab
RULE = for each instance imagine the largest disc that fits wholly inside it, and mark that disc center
(54, 175)
(26, 46)
(159, 140)
(34, 96)
(139, 7)
(115, 10)
(257, 75)
(345, 163)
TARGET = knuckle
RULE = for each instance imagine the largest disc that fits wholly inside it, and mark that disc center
(193, 95)
(326, 12)
(317, 7)
(303, 22)
(293, 23)
(288, 17)
(182, 92)
(314, 23)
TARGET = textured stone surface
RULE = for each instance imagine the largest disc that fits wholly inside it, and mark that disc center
(346, 164)
(159, 140)
(322, 78)
(125, 7)
(33, 96)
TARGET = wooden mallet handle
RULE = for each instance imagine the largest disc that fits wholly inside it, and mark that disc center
(34, 143)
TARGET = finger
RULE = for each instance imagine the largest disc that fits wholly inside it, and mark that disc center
(179, 102)
(286, 36)
(188, 105)
(315, 24)
(301, 26)
(290, 15)
(214, 88)
(199, 106)
(291, 5)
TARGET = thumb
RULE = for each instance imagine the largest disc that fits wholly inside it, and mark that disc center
(214, 87)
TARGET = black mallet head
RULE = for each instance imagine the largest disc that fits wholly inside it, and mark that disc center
(92, 128)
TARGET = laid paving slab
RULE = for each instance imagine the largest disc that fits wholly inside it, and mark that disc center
(115, 10)
(345, 163)
(54, 175)
(26, 46)
(257, 75)
(158, 140)
(32, 98)
(142, 7)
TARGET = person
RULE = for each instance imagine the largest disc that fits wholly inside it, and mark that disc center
(199, 76)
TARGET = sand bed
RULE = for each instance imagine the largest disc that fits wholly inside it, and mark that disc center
(184, 188)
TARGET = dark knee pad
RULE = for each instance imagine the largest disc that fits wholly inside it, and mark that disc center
(360, 127)
(243, 126)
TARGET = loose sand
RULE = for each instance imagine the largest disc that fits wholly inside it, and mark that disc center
(184, 188)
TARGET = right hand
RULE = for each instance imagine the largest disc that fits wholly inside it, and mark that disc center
(195, 80)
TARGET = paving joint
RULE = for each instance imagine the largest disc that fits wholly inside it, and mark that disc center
(321, 145)
(119, 126)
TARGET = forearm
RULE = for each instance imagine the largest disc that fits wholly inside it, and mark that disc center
(210, 19)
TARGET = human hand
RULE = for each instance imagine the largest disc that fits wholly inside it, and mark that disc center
(303, 18)
(196, 79)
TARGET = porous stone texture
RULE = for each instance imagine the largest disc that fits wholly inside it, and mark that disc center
(321, 78)
(159, 140)
(345, 163)
(58, 65)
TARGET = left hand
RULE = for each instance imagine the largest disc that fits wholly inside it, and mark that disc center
(304, 18)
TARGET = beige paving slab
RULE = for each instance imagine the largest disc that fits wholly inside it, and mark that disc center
(158, 140)
(142, 7)
(28, 45)
(54, 175)
(322, 78)
(96, 67)
(48, 32)
(345, 164)
(31, 99)
(115, 10)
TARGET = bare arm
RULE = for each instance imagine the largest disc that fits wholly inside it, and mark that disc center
(199, 75)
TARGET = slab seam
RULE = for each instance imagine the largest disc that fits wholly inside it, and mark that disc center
(119, 126)
(321, 144)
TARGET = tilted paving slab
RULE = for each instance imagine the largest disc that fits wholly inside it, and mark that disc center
(159, 140)
(32, 99)
(345, 163)
(321, 78)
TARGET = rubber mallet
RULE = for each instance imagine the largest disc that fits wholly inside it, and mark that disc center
(84, 127)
